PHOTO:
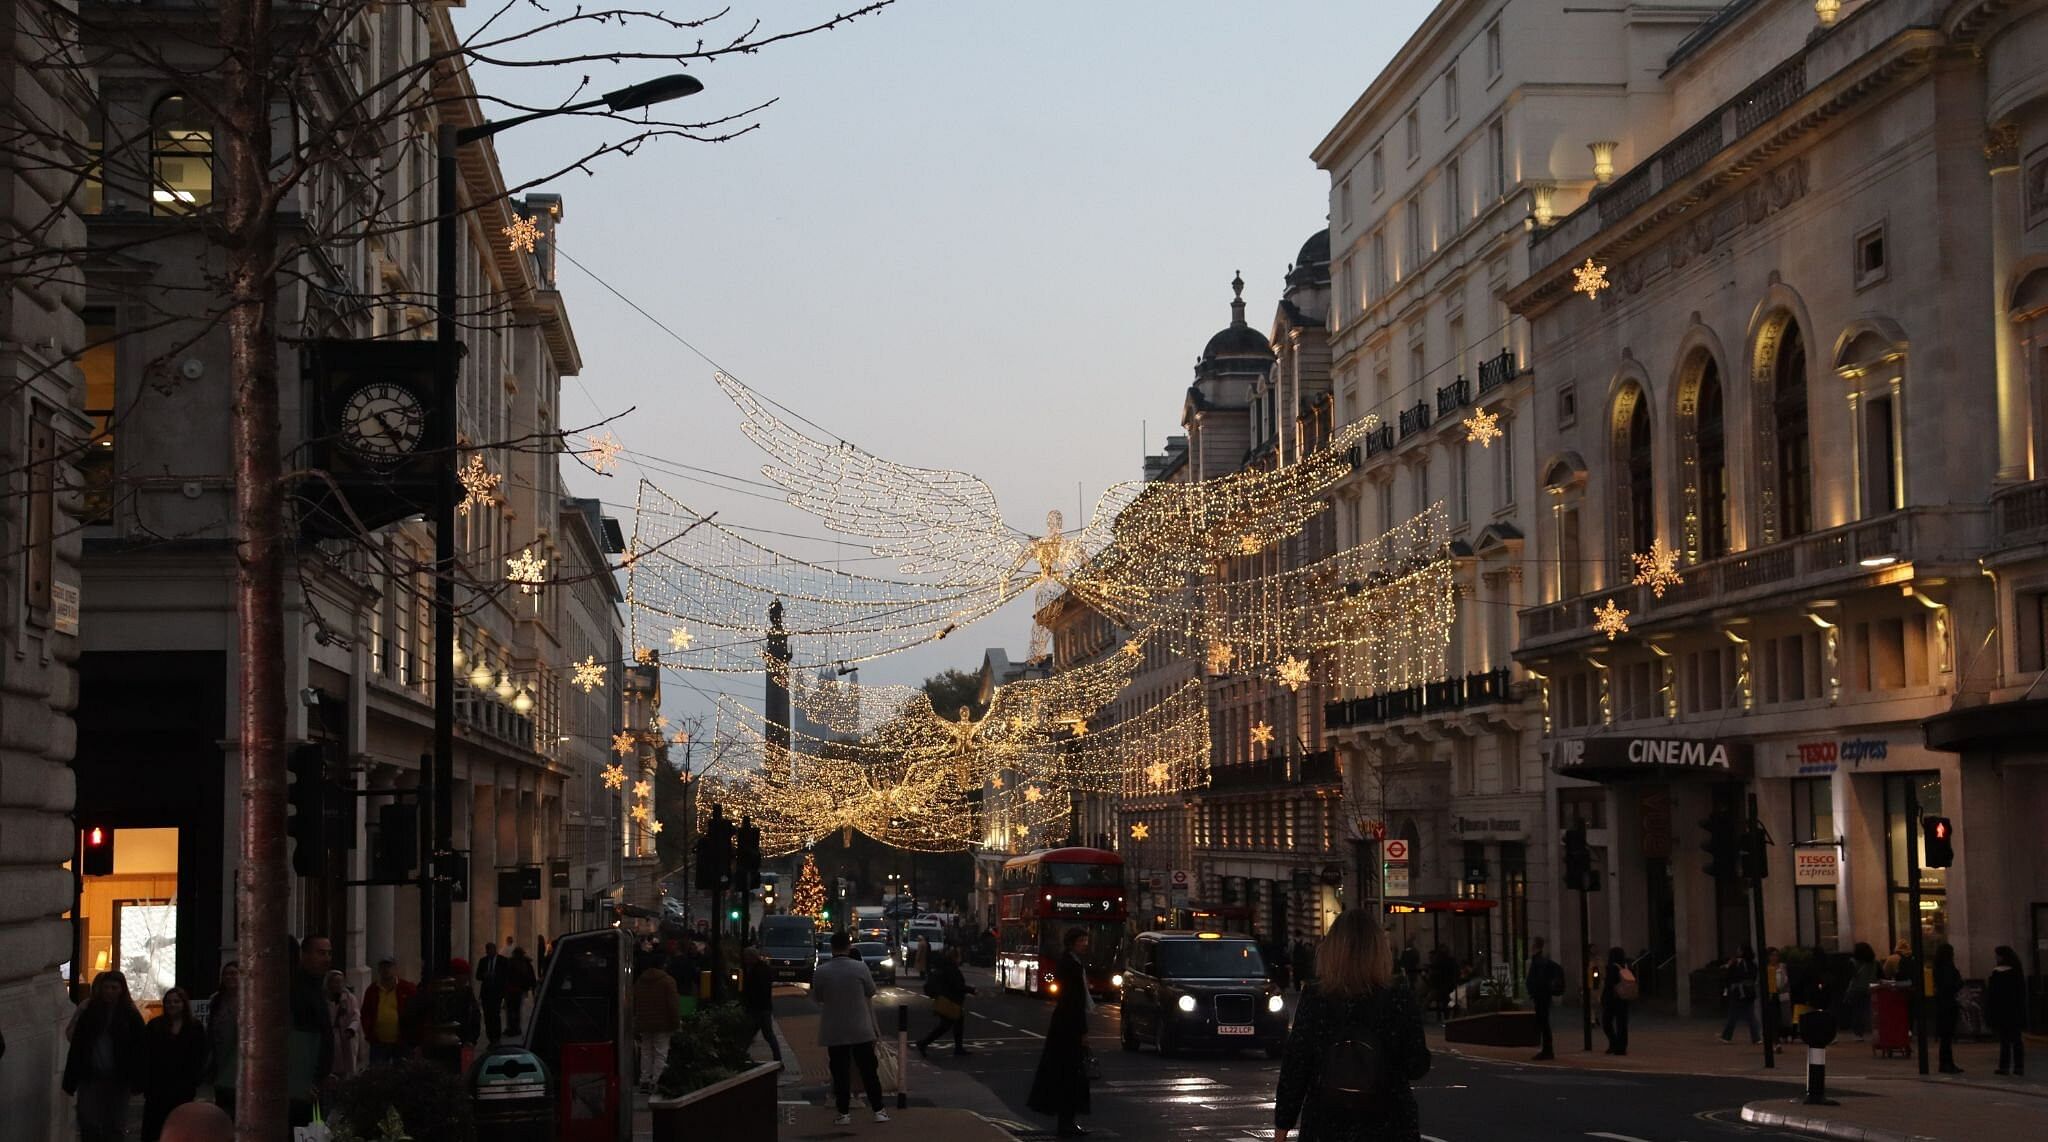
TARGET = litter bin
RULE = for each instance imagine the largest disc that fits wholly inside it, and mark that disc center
(510, 1096)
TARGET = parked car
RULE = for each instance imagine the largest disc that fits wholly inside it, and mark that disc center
(876, 955)
(1207, 989)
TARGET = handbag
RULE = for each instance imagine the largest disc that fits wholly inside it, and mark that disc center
(886, 1069)
(946, 1008)
(1090, 1065)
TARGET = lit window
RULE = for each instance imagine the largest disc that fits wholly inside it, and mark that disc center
(181, 157)
(97, 367)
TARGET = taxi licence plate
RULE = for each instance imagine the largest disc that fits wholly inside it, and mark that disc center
(1233, 1029)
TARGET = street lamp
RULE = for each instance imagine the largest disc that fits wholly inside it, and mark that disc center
(437, 784)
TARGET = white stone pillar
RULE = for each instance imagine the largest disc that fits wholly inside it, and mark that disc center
(2001, 151)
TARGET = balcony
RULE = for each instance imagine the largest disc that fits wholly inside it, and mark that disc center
(1443, 697)
(1452, 397)
(2022, 514)
(1379, 440)
(1276, 772)
(1826, 560)
(1497, 372)
(1414, 420)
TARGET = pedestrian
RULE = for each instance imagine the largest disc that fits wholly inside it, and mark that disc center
(1948, 985)
(1411, 966)
(490, 969)
(309, 1044)
(1546, 982)
(655, 1018)
(346, 1014)
(1060, 1086)
(757, 999)
(2005, 1010)
(520, 979)
(1856, 995)
(1777, 1000)
(387, 1009)
(469, 1013)
(948, 988)
(922, 961)
(843, 988)
(1899, 965)
(173, 1061)
(1443, 977)
(1738, 990)
(1615, 985)
(104, 1062)
(1356, 1044)
(226, 1052)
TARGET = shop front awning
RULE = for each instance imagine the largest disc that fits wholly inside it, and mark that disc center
(1459, 906)
(1650, 758)
(2001, 724)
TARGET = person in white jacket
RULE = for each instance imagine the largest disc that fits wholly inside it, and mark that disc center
(844, 988)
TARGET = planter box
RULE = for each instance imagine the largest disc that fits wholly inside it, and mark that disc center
(739, 1109)
(1495, 1029)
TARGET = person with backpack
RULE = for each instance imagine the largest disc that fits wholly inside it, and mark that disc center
(1738, 987)
(1355, 1046)
(1546, 983)
(1618, 989)
(948, 988)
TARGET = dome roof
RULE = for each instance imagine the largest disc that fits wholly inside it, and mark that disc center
(1315, 251)
(1238, 339)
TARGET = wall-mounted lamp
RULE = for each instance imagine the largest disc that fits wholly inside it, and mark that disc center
(1879, 561)
(1828, 10)
(479, 674)
(1603, 160)
(1542, 198)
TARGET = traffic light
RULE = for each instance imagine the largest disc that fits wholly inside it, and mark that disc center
(1939, 843)
(747, 856)
(714, 852)
(1578, 858)
(98, 847)
(397, 851)
(768, 896)
(1756, 860)
(1722, 846)
(307, 827)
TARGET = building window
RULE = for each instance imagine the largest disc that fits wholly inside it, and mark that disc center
(1493, 54)
(1414, 135)
(1379, 264)
(1813, 820)
(1633, 449)
(1386, 505)
(1454, 197)
(1344, 203)
(1505, 446)
(1880, 455)
(1907, 798)
(1497, 147)
(1869, 252)
(1565, 522)
(1450, 97)
(1422, 481)
(1567, 406)
(1414, 237)
(1711, 439)
(1461, 460)
(181, 157)
(1788, 411)
(1379, 171)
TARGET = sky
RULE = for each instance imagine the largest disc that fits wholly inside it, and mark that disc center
(968, 234)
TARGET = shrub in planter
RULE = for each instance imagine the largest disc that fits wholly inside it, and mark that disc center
(1489, 994)
(430, 1103)
(711, 1045)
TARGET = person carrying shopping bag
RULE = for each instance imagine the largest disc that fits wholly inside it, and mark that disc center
(947, 985)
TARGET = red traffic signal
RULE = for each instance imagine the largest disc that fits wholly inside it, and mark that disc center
(1938, 841)
(98, 849)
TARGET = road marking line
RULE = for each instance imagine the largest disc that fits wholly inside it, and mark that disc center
(1615, 1137)
(1431, 1138)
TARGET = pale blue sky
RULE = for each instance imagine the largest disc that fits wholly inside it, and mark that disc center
(991, 236)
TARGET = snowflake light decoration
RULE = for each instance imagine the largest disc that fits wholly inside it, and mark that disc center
(1610, 620)
(623, 744)
(588, 674)
(1590, 279)
(1140, 831)
(1219, 657)
(1079, 725)
(1157, 772)
(680, 638)
(996, 781)
(645, 655)
(1262, 734)
(642, 812)
(479, 485)
(522, 235)
(603, 453)
(660, 722)
(1482, 427)
(1033, 794)
(1657, 568)
(528, 571)
(682, 738)
(643, 790)
(654, 828)
(1293, 673)
(1134, 647)
(614, 776)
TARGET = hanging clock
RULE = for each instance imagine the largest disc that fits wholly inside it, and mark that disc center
(383, 423)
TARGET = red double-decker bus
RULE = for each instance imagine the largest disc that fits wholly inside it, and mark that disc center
(1047, 892)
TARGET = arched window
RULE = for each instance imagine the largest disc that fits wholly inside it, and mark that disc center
(1711, 439)
(180, 157)
(1563, 484)
(1788, 415)
(1642, 513)
(1633, 479)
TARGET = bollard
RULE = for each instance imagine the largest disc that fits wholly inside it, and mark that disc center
(1817, 1028)
(902, 1055)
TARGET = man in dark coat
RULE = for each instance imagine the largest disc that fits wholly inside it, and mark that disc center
(490, 982)
(1546, 982)
(1060, 1088)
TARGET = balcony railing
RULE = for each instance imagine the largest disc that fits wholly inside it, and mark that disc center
(1319, 768)
(2022, 514)
(1452, 397)
(1941, 535)
(1438, 697)
(1497, 372)
(1379, 440)
(1414, 420)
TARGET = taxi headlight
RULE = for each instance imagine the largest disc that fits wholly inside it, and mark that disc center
(1116, 980)
(1276, 1005)
(1187, 1004)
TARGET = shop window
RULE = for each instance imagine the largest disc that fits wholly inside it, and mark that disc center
(1907, 798)
(181, 157)
(1813, 821)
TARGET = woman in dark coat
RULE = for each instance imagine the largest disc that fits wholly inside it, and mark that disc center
(1060, 1088)
(1613, 1008)
(1443, 979)
(1948, 985)
(1353, 999)
(2005, 1010)
(174, 1052)
(104, 1063)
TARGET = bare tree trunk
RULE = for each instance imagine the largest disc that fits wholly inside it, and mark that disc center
(262, 890)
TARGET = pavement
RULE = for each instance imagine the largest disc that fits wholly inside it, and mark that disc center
(1877, 1099)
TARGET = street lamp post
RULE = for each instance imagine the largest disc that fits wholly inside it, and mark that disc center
(437, 784)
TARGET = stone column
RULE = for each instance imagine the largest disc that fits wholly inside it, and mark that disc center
(2001, 153)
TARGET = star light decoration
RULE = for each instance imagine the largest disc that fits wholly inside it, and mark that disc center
(654, 828)
(589, 674)
(1610, 620)
(1262, 734)
(643, 790)
(1135, 647)
(522, 235)
(614, 776)
(642, 812)
(1657, 568)
(623, 743)
(479, 485)
(602, 453)
(1219, 657)
(645, 656)
(1141, 831)
(1250, 545)
(1156, 773)
(1589, 279)
(1033, 794)
(1293, 672)
(680, 638)
(528, 570)
(1482, 427)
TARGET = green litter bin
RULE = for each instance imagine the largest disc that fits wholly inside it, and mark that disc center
(511, 1098)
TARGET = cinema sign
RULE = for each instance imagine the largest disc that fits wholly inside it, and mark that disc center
(1619, 758)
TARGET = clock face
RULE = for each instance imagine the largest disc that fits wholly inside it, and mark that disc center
(383, 423)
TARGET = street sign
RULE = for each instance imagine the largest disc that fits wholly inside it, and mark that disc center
(1372, 830)
(1180, 878)
(1395, 881)
(1397, 852)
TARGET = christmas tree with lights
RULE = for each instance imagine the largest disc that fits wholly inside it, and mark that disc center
(809, 899)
